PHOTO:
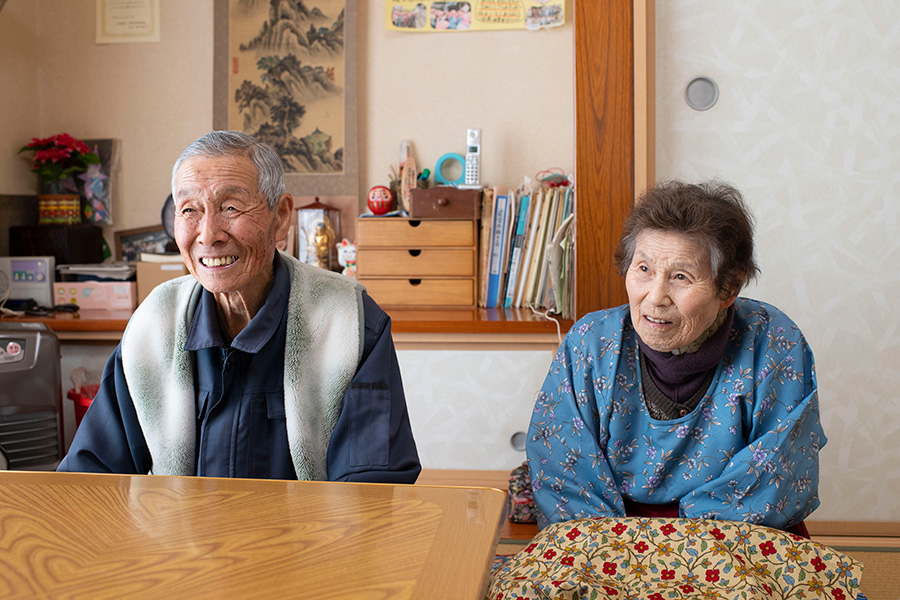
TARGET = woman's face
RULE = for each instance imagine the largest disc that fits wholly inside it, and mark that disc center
(671, 290)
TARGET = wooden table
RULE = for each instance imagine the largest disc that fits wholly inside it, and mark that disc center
(475, 478)
(76, 535)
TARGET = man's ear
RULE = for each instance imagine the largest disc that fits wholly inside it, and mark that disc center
(283, 209)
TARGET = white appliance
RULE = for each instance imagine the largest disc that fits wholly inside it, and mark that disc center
(28, 278)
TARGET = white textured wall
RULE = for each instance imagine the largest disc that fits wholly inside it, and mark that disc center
(464, 406)
(808, 126)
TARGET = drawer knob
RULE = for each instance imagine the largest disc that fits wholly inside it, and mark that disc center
(443, 202)
(415, 281)
(414, 252)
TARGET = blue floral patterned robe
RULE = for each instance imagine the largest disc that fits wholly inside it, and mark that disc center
(749, 451)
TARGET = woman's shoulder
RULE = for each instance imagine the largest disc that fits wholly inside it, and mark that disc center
(600, 326)
(615, 317)
(763, 319)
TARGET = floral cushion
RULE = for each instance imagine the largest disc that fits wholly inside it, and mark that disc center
(665, 559)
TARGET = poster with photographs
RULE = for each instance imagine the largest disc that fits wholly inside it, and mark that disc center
(473, 15)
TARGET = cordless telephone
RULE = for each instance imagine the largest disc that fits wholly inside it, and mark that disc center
(473, 159)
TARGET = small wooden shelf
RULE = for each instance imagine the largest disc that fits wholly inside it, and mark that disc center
(84, 326)
(470, 320)
(490, 323)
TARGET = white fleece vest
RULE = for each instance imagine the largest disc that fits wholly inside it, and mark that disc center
(324, 344)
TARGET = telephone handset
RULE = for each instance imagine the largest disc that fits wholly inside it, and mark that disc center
(473, 159)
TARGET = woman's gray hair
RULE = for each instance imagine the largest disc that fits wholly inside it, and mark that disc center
(269, 166)
(713, 213)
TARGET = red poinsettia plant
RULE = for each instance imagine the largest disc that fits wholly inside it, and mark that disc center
(59, 158)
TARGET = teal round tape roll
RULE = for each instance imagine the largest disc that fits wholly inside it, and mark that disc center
(439, 169)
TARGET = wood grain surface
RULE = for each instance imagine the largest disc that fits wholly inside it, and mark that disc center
(111, 536)
(604, 147)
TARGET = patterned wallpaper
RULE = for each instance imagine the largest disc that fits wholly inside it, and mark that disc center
(807, 125)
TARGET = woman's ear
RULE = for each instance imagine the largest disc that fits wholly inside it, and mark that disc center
(728, 296)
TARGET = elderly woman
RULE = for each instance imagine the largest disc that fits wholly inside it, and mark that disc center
(688, 401)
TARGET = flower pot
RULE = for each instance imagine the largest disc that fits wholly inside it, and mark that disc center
(59, 209)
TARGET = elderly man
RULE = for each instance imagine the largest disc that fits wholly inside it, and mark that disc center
(257, 366)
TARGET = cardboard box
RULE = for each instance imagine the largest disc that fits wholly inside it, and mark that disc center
(108, 295)
(151, 274)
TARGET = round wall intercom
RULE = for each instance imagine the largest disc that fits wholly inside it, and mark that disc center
(701, 93)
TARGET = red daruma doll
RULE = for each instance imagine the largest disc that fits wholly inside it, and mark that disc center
(380, 200)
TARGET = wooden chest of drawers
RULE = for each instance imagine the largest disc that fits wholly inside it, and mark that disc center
(418, 262)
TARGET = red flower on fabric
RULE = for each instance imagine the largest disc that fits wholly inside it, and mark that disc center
(767, 548)
(667, 529)
(717, 533)
(530, 547)
(641, 547)
(687, 589)
(609, 568)
(668, 574)
(838, 595)
(573, 533)
(712, 575)
(610, 591)
(620, 528)
(567, 560)
(549, 554)
(557, 582)
(767, 588)
(656, 596)
(818, 564)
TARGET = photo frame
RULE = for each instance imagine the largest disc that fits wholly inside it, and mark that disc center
(130, 243)
(230, 56)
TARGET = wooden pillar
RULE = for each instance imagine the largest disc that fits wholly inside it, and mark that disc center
(605, 137)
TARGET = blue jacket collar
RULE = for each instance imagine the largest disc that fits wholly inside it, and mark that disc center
(205, 330)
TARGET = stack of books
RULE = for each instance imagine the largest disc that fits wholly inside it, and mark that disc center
(527, 249)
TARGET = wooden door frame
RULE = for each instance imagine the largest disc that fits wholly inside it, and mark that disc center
(614, 136)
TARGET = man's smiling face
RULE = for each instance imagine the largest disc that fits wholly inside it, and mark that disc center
(223, 225)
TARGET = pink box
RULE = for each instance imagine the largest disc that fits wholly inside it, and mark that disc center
(109, 295)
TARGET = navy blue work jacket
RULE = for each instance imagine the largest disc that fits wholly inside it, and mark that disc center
(241, 427)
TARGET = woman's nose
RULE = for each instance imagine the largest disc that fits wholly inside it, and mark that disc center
(659, 291)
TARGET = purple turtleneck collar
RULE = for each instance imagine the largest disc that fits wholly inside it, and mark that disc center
(679, 376)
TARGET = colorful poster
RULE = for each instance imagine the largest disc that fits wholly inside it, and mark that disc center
(474, 15)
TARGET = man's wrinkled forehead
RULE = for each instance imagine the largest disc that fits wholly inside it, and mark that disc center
(222, 193)
(215, 178)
